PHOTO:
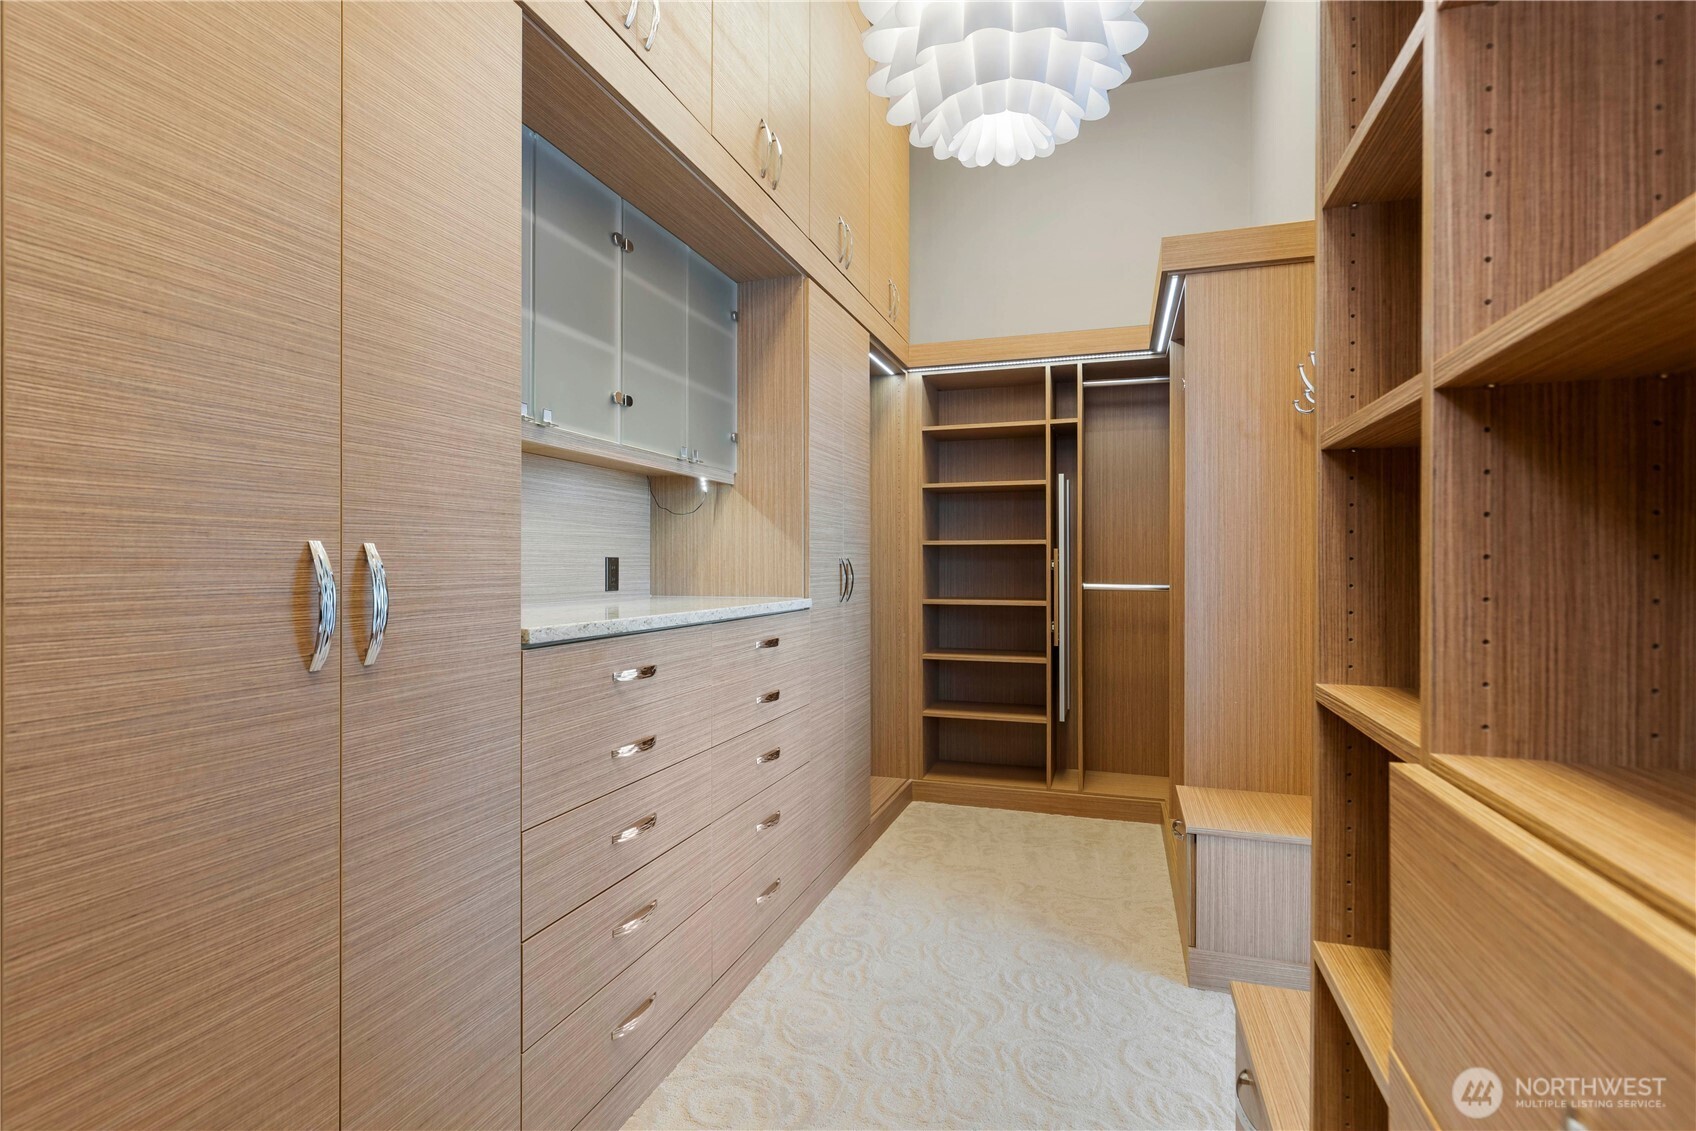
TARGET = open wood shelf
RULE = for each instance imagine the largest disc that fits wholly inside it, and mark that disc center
(1383, 158)
(1391, 421)
(987, 712)
(985, 656)
(990, 485)
(1359, 978)
(987, 431)
(989, 602)
(1626, 313)
(984, 773)
(1388, 716)
(1277, 1025)
(986, 542)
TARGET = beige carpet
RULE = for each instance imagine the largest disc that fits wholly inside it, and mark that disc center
(977, 969)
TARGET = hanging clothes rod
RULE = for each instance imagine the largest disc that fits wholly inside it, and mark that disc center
(1106, 585)
(1127, 381)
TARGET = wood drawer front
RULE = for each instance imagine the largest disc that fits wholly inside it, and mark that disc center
(748, 763)
(569, 1070)
(1248, 1092)
(757, 684)
(587, 733)
(568, 962)
(1511, 956)
(577, 855)
(762, 825)
(754, 900)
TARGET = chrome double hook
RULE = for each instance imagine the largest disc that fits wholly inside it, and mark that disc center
(1307, 389)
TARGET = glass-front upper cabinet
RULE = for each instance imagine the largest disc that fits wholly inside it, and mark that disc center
(712, 365)
(571, 292)
(655, 377)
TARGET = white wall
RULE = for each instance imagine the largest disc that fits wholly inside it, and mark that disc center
(1070, 241)
(1285, 64)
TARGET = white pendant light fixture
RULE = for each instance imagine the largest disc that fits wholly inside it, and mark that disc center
(998, 80)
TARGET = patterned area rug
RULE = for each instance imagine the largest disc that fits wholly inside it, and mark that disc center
(978, 968)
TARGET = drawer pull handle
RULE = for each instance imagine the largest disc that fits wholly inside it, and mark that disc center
(769, 697)
(629, 748)
(630, 675)
(769, 892)
(1244, 1077)
(635, 923)
(768, 642)
(637, 829)
(770, 822)
(769, 756)
(631, 1023)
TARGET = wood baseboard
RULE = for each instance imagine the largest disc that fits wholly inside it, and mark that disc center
(1215, 970)
(1063, 802)
(629, 1093)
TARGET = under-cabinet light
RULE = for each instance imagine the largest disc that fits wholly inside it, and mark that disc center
(1168, 314)
(882, 365)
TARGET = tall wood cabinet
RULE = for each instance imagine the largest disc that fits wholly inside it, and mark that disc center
(255, 294)
(841, 143)
(762, 54)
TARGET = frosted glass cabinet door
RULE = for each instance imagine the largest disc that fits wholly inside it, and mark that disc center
(656, 338)
(712, 364)
(573, 276)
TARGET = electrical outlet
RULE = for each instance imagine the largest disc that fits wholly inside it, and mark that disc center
(612, 575)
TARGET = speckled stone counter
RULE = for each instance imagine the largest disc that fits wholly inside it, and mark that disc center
(610, 615)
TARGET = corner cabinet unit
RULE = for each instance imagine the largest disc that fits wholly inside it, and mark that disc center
(629, 334)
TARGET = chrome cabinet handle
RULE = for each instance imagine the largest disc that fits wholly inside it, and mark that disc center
(635, 922)
(841, 238)
(770, 822)
(769, 756)
(892, 295)
(653, 28)
(629, 1024)
(641, 746)
(852, 580)
(765, 147)
(769, 892)
(768, 642)
(630, 16)
(841, 580)
(326, 579)
(850, 262)
(630, 675)
(625, 836)
(1244, 1077)
(777, 168)
(769, 697)
(379, 602)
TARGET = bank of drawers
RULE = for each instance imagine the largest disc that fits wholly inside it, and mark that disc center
(647, 872)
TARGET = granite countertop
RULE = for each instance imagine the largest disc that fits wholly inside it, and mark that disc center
(559, 622)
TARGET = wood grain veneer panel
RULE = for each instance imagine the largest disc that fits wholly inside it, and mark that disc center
(430, 367)
(1566, 538)
(841, 155)
(788, 105)
(1243, 813)
(1368, 309)
(1369, 567)
(1249, 531)
(1359, 42)
(1384, 156)
(1018, 347)
(1251, 898)
(170, 767)
(1359, 981)
(896, 633)
(1351, 830)
(1273, 1027)
(740, 82)
(749, 539)
(1126, 474)
(1125, 681)
(1561, 129)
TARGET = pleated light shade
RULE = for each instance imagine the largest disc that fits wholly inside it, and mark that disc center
(998, 80)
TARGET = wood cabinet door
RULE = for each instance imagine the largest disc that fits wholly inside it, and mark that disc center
(430, 364)
(740, 80)
(888, 244)
(855, 373)
(789, 106)
(171, 391)
(840, 150)
(675, 39)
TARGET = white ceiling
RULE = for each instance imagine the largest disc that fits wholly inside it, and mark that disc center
(1194, 35)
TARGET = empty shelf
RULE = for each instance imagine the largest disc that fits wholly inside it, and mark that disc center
(1388, 716)
(1359, 978)
(990, 485)
(1626, 313)
(989, 602)
(986, 541)
(985, 773)
(985, 656)
(1384, 158)
(990, 712)
(1391, 421)
(991, 430)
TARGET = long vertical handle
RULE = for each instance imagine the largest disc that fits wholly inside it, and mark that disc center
(1062, 594)
(653, 28)
(327, 599)
(379, 603)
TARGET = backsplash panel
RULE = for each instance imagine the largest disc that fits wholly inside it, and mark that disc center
(575, 516)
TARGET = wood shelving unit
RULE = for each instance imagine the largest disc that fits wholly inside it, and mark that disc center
(1500, 532)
